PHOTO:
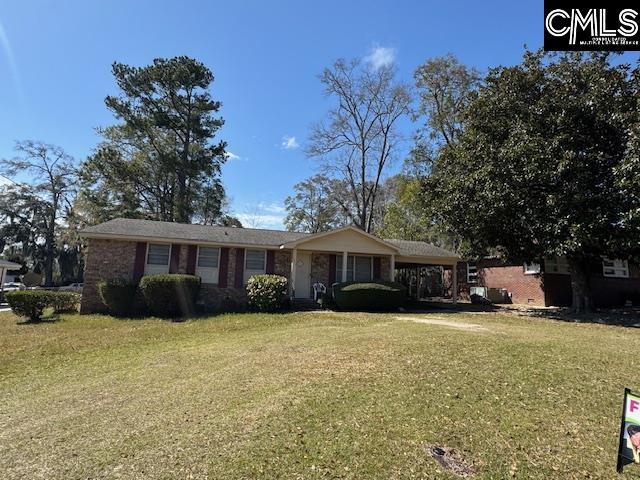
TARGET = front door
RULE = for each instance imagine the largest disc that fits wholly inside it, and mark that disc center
(303, 275)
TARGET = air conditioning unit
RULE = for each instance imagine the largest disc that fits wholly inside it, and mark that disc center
(494, 295)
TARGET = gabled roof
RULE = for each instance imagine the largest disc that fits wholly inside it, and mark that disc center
(349, 228)
(168, 231)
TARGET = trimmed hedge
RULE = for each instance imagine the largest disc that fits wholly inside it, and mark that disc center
(267, 293)
(369, 295)
(118, 295)
(63, 302)
(31, 303)
(170, 295)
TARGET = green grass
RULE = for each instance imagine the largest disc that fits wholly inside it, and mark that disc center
(310, 395)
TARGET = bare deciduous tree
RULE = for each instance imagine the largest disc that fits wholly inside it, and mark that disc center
(359, 137)
(54, 179)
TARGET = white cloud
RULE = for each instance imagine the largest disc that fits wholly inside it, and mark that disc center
(262, 215)
(381, 56)
(253, 220)
(271, 207)
(289, 143)
(232, 156)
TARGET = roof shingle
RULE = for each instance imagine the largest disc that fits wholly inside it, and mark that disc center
(134, 228)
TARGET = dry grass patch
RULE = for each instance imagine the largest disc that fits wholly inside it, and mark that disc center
(309, 395)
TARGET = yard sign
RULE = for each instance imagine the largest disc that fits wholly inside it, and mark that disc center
(629, 446)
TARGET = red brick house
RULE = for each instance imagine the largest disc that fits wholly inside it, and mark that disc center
(614, 282)
(224, 257)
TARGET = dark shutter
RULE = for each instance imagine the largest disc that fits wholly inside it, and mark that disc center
(239, 278)
(376, 268)
(192, 253)
(332, 270)
(271, 261)
(141, 258)
(174, 263)
(223, 269)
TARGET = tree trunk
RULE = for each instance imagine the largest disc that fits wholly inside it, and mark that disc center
(580, 285)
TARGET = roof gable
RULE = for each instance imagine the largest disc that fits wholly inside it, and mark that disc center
(346, 239)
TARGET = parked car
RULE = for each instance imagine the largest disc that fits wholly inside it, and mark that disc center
(73, 287)
(9, 286)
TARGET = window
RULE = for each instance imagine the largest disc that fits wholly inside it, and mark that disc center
(158, 256)
(472, 272)
(254, 263)
(207, 264)
(615, 268)
(556, 265)
(532, 268)
(359, 268)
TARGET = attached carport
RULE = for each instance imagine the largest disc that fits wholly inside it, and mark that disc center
(419, 255)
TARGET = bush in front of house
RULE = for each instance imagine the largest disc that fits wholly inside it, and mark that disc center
(267, 293)
(64, 302)
(118, 295)
(170, 295)
(31, 304)
(369, 295)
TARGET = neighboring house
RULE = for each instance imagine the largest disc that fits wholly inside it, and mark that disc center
(225, 257)
(613, 282)
(5, 267)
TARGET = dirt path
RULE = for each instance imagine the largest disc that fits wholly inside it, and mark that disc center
(446, 323)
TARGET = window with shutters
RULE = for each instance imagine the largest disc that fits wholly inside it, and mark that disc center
(207, 264)
(255, 263)
(158, 258)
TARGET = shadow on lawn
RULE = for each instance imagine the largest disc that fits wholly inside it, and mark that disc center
(623, 317)
(43, 321)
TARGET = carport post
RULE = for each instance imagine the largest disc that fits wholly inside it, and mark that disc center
(392, 266)
(294, 263)
(454, 287)
(345, 255)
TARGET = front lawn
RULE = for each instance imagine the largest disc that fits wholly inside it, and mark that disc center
(311, 395)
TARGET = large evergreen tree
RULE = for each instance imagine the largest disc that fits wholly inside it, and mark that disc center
(542, 167)
(161, 160)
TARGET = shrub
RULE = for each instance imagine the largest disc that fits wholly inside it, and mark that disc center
(64, 301)
(267, 293)
(29, 303)
(170, 295)
(118, 295)
(369, 295)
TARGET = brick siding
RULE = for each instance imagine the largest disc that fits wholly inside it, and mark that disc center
(524, 289)
(105, 259)
(110, 259)
(550, 289)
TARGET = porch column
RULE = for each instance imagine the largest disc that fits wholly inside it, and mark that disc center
(344, 266)
(292, 276)
(3, 273)
(454, 288)
(392, 266)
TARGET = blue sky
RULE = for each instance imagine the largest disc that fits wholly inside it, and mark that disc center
(55, 59)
